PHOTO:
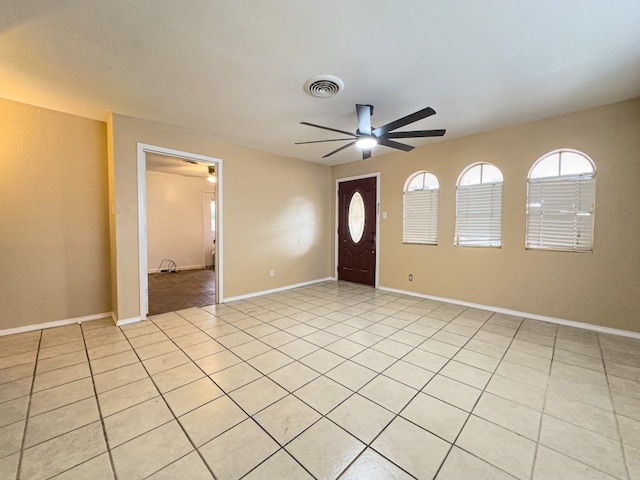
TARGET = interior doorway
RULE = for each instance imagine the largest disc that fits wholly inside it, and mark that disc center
(357, 233)
(193, 284)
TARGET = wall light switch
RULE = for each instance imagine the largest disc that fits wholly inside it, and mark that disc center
(384, 214)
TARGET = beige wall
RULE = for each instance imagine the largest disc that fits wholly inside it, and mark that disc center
(175, 219)
(54, 233)
(276, 212)
(601, 288)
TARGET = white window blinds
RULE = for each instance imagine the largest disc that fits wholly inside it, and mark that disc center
(479, 215)
(421, 217)
(560, 213)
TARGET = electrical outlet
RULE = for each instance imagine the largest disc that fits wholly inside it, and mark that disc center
(411, 277)
(272, 273)
(384, 214)
(190, 254)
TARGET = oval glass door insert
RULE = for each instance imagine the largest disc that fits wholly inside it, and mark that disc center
(356, 217)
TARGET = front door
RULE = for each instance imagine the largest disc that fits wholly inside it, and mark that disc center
(357, 231)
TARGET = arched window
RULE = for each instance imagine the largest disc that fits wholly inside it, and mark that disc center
(479, 206)
(420, 215)
(561, 190)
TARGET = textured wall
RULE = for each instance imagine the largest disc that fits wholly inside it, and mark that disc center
(599, 288)
(54, 233)
(276, 212)
(175, 219)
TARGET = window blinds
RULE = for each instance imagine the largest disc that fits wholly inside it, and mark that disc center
(479, 215)
(560, 213)
(421, 217)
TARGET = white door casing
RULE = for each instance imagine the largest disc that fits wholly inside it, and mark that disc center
(142, 150)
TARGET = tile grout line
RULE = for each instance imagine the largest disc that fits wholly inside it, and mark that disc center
(26, 419)
(544, 405)
(380, 373)
(95, 396)
(227, 394)
(470, 413)
(395, 415)
(249, 416)
(615, 414)
(175, 418)
(377, 374)
(170, 338)
(288, 393)
(586, 429)
(541, 412)
(322, 348)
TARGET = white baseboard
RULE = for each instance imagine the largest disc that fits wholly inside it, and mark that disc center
(516, 313)
(178, 268)
(57, 323)
(127, 321)
(273, 290)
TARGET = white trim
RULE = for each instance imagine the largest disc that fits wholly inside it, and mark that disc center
(337, 219)
(143, 149)
(129, 321)
(186, 267)
(516, 313)
(275, 290)
(57, 323)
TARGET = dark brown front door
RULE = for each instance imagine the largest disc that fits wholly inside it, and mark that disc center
(357, 231)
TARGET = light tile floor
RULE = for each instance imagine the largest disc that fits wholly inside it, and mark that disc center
(327, 381)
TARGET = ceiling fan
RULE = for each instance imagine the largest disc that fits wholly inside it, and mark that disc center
(366, 136)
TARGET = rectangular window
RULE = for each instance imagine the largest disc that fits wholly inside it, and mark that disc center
(560, 213)
(479, 215)
(421, 217)
(213, 216)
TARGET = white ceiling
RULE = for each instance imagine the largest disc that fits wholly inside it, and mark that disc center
(235, 69)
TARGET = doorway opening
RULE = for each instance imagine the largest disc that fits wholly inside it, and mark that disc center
(357, 220)
(180, 229)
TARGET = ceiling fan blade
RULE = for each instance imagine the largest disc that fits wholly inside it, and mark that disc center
(339, 149)
(328, 128)
(366, 154)
(415, 134)
(401, 122)
(390, 143)
(364, 118)
(322, 141)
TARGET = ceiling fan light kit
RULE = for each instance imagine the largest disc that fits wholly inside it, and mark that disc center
(211, 178)
(366, 142)
(367, 137)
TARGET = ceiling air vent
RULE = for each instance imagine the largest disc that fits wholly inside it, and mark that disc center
(323, 86)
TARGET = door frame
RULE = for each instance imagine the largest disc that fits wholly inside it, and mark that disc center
(143, 149)
(375, 175)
